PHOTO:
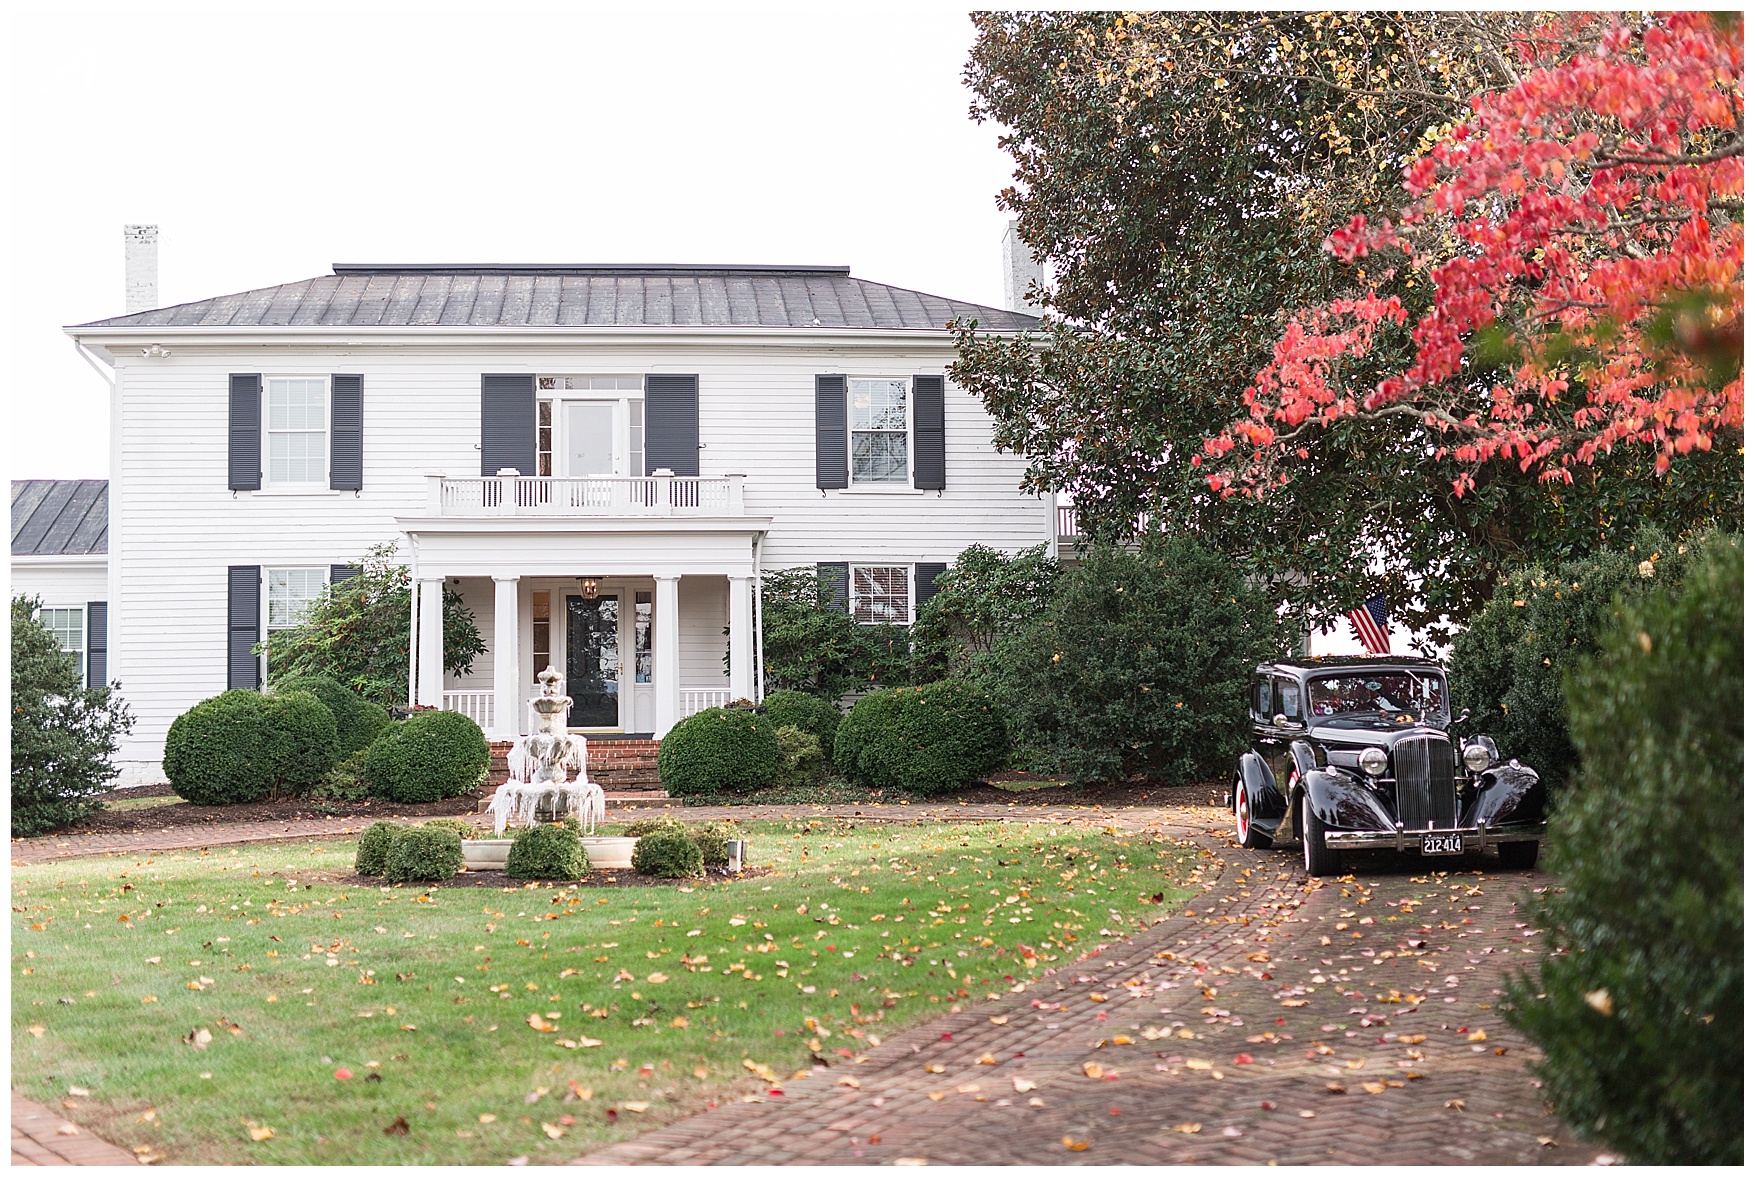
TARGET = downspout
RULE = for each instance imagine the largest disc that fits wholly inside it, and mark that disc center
(760, 677)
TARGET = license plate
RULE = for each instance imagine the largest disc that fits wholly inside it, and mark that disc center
(1441, 844)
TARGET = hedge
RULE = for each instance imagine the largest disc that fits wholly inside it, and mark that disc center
(244, 746)
(357, 722)
(807, 713)
(930, 739)
(423, 854)
(719, 750)
(1638, 1003)
(667, 854)
(429, 756)
(374, 847)
(546, 852)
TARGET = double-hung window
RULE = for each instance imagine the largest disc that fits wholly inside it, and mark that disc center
(878, 429)
(297, 436)
(880, 594)
(291, 593)
(68, 626)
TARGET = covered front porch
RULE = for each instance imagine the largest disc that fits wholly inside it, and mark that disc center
(647, 625)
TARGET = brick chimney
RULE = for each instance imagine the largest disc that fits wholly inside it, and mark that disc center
(1021, 269)
(140, 262)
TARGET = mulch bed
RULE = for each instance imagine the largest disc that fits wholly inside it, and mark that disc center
(183, 815)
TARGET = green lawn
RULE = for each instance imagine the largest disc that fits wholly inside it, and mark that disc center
(482, 1024)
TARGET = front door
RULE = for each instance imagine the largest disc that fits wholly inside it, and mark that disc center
(591, 439)
(594, 661)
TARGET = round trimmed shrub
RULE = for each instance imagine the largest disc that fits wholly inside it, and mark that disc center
(718, 750)
(807, 713)
(429, 756)
(546, 852)
(423, 854)
(375, 847)
(930, 739)
(346, 781)
(711, 837)
(464, 830)
(243, 746)
(651, 825)
(357, 722)
(303, 734)
(667, 854)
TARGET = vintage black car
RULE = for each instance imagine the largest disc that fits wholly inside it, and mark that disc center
(1357, 754)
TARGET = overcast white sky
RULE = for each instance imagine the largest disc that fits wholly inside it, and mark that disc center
(268, 141)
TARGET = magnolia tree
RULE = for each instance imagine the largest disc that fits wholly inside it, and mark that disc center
(1580, 240)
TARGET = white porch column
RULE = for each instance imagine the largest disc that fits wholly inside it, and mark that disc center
(432, 642)
(743, 638)
(506, 660)
(666, 657)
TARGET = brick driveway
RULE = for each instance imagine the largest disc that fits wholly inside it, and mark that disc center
(1276, 1019)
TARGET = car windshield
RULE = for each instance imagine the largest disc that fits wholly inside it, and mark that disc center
(1378, 692)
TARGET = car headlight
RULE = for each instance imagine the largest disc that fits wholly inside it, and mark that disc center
(1480, 755)
(1374, 761)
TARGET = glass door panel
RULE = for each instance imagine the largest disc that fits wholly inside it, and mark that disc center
(594, 661)
(590, 439)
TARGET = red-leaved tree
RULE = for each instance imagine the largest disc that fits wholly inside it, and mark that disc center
(1580, 239)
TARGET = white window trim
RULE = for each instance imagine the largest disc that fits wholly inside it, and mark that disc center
(262, 611)
(84, 653)
(852, 596)
(560, 444)
(269, 486)
(906, 485)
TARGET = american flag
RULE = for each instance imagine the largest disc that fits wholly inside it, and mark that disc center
(1370, 624)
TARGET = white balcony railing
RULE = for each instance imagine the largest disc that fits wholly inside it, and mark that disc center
(477, 705)
(695, 699)
(659, 495)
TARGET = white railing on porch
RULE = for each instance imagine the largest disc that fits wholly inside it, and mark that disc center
(693, 699)
(1066, 521)
(659, 495)
(477, 705)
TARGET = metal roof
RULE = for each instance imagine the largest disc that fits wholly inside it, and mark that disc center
(60, 517)
(493, 295)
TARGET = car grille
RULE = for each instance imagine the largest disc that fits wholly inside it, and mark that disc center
(1425, 785)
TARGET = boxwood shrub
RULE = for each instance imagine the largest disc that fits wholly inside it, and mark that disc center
(807, 713)
(1638, 1005)
(464, 829)
(546, 852)
(930, 739)
(801, 756)
(244, 746)
(374, 847)
(357, 722)
(711, 837)
(429, 756)
(650, 825)
(719, 750)
(667, 854)
(423, 854)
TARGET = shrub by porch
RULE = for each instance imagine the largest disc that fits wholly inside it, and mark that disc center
(719, 750)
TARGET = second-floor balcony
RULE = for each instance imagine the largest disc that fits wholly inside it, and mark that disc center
(656, 496)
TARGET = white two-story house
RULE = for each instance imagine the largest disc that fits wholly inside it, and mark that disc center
(603, 460)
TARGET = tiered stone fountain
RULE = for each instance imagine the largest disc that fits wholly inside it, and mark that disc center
(547, 781)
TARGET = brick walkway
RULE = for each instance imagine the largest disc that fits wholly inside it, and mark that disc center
(31, 850)
(1276, 1019)
(40, 1137)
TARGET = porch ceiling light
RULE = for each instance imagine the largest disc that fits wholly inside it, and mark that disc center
(588, 585)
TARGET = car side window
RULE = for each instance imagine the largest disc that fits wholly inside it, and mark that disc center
(1287, 693)
(1264, 700)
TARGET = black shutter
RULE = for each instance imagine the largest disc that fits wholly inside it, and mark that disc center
(243, 617)
(925, 584)
(508, 423)
(341, 572)
(244, 458)
(929, 432)
(673, 425)
(831, 432)
(347, 411)
(832, 586)
(97, 643)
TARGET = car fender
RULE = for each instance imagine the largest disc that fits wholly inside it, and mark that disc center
(1508, 793)
(1267, 805)
(1344, 801)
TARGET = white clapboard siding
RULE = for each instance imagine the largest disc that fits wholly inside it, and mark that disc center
(175, 526)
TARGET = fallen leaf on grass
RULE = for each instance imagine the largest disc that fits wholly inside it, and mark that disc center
(553, 1131)
(259, 1132)
(199, 1037)
(397, 1127)
(656, 978)
(343, 1073)
(636, 1105)
(536, 1022)
(486, 1118)
(77, 1090)
(37, 1031)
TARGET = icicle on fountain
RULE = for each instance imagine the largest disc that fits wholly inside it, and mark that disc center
(540, 767)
